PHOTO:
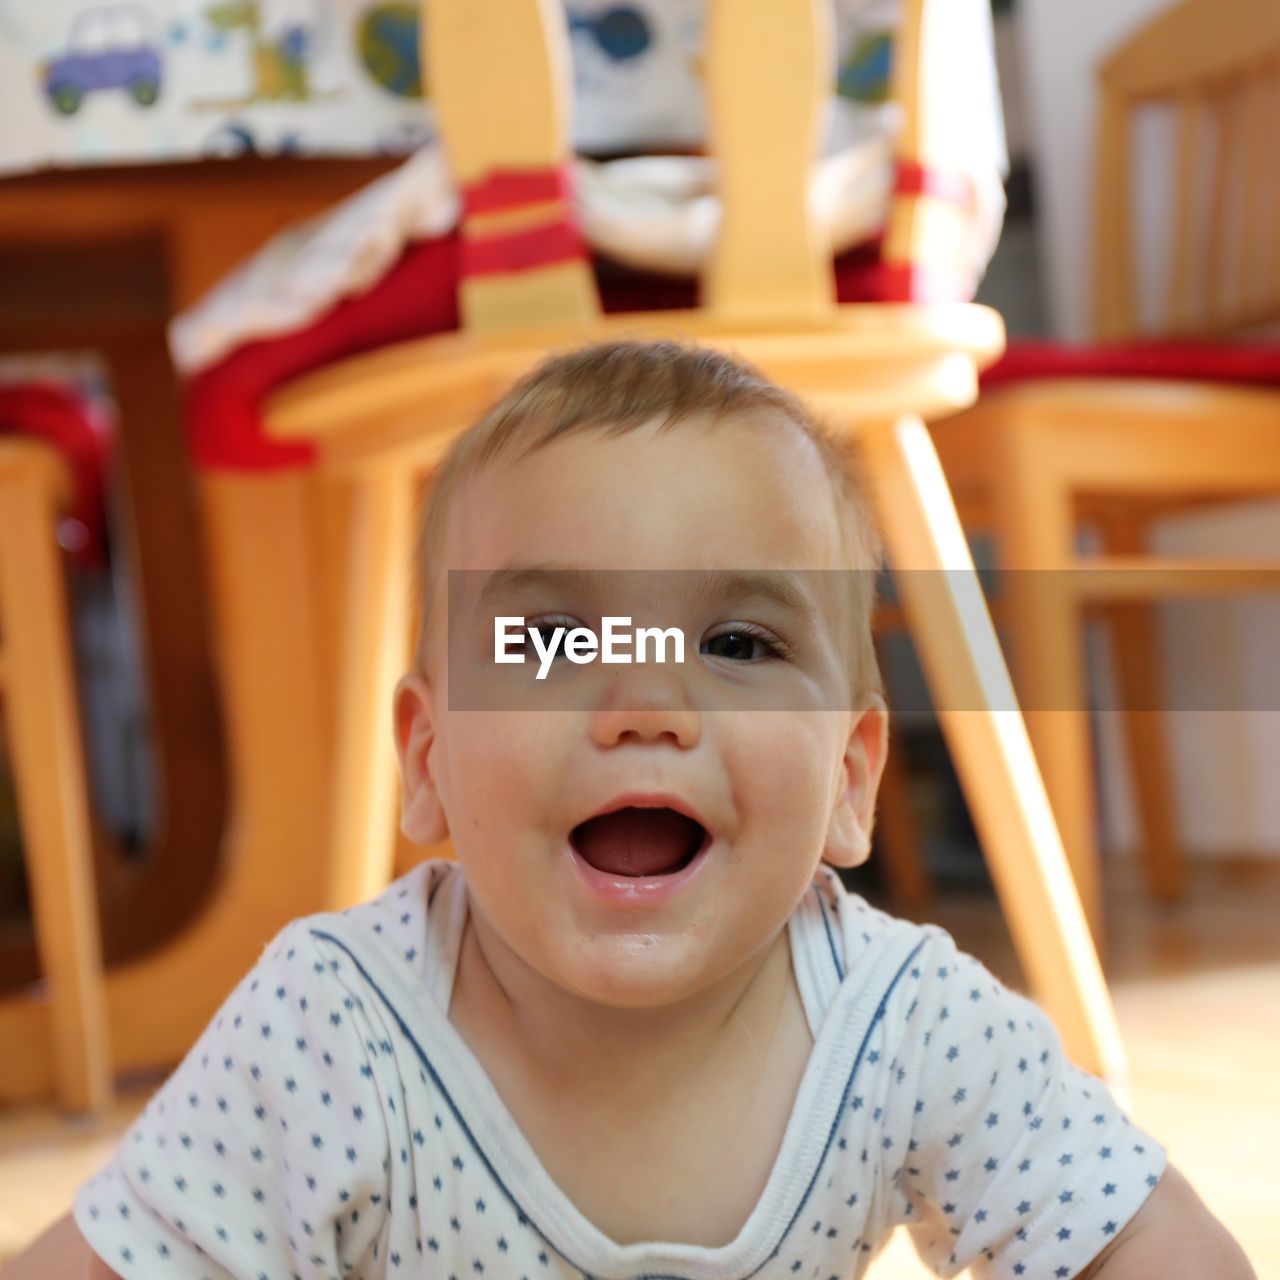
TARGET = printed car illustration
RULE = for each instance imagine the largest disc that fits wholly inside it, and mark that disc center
(110, 47)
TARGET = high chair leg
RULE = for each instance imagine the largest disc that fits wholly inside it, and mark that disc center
(373, 597)
(988, 740)
(1044, 619)
(44, 735)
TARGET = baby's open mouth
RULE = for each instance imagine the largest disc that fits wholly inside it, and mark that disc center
(639, 842)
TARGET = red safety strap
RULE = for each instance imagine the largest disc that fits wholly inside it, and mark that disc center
(505, 189)
(497, 252)
(553, 242)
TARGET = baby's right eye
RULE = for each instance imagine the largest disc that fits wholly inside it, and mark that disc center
(551, 630)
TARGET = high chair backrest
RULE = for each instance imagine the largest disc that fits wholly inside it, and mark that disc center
(499, 77)
(498, 71)
(1212, 68)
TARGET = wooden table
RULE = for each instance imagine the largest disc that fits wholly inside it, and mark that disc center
(102, 259)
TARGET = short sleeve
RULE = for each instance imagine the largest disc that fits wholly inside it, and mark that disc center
(1018, 1163)
(265, 1154)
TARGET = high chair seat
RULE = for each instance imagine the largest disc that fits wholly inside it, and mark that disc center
(417, 298)
(877, 359)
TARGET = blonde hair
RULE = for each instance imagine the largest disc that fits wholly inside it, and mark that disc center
(616, 387)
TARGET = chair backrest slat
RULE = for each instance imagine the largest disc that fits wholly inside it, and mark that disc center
(1272, 228)
(1182, 305)
(1114, 290)
(1260, 184)
(768, 73)
(1224, 114)
(1214, 66)
(498, 77)
(1273, 224)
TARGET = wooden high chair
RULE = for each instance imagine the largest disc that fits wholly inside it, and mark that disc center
(42, 730)
(310, 569)
(1127, 446)
(498, 74)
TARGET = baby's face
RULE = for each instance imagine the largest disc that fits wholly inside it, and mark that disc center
(728, 776)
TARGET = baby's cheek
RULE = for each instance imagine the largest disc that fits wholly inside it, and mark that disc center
(506, 767)
(783, 763)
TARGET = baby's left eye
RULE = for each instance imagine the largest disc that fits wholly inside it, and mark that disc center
(741, 644)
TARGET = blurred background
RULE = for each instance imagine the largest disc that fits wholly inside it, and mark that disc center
(148, 150)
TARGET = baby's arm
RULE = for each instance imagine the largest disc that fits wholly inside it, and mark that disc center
(1019, 1164)
(267, 1147)
(1173, 1235)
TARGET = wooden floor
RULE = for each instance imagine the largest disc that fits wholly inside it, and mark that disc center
(1197, 989)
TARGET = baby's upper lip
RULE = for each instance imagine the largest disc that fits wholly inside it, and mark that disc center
(647, 800)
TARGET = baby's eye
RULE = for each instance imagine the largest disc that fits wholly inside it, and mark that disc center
(546, 627)
(740, 643)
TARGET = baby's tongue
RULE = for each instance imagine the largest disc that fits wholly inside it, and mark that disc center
(637, 842)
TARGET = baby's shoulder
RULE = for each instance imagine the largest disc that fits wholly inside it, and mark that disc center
(857, 930)
(312, 956)
(928, 978)
(397, 924)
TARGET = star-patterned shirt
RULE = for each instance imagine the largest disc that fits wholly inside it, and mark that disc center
(331, 1123)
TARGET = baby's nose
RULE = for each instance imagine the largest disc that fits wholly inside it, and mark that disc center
(645, 707)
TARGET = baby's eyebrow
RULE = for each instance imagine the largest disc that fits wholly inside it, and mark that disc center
(523, 577)
(741, 584)
(714, 585)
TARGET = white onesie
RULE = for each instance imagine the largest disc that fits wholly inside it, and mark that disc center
(331, 1123)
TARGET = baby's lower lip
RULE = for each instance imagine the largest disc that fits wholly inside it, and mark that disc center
(636, 891)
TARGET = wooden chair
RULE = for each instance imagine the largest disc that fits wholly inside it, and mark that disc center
(1035, 459)
(310, 569)
(37, 687)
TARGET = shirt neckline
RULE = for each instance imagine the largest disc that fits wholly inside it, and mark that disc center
(499, 1144)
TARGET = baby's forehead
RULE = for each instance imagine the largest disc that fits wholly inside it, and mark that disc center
(725, 517)
(738, 489)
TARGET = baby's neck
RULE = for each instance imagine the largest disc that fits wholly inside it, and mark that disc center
(567, 1043)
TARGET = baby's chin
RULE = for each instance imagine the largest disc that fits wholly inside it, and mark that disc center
(642, 971)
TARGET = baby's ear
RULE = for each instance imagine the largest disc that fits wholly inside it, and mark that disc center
(849, 830)
(422, 817)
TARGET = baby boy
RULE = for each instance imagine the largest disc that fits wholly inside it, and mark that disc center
(639, 1028)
